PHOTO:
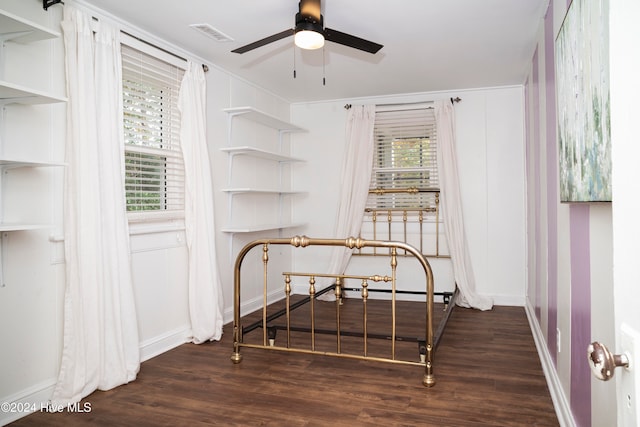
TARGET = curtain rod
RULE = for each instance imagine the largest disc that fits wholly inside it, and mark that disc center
(204, 66)
(453, 100)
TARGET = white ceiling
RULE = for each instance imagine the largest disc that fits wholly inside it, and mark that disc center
(429, 45)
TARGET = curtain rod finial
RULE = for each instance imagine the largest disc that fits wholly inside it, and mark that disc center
(347, 106)
(456, 99)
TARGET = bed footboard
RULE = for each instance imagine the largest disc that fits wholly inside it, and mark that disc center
(426, 343)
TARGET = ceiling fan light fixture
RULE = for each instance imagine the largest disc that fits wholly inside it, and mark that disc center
(309, 32)
(309, 39)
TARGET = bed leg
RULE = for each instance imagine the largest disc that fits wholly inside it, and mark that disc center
(428, 380)
(236, 357)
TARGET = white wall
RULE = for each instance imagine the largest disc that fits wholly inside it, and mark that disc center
(31, 302)
(489, 126)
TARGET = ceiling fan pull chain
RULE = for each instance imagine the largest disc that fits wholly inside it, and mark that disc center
(294, 61)
(324, 81)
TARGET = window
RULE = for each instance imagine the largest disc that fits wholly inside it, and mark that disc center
(403, 202)
(405, 170)
(154, 170)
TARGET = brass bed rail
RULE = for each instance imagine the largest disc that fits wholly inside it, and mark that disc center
(427, 347)
(411, 225)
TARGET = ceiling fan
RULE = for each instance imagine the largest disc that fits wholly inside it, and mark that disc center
(310, 33)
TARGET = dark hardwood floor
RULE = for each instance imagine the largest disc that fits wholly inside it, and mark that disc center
(487, 370)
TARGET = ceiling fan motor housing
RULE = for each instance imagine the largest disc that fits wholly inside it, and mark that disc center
(308, 23)
(309, 17)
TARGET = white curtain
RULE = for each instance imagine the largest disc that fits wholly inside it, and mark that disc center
(355, 179)
(452, 209)
(205, 289)
(101, 348)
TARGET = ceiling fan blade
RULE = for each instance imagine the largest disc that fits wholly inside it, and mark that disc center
(351, 41)
(264, 41)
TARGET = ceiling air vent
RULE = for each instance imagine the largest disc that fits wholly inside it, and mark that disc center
(209, 31)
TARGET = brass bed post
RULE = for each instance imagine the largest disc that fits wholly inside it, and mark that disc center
(437, 224)
(420, 221)
(312, 295)
(265, 261)
(236, 357)
(338, 292)
(287, 291)
(428, 379)
(394, 265)
(365, 295)
(374, 219)
(389, 222)
(404, 223)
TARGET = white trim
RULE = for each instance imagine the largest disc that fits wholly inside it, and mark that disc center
(560, 403)
(36, 396)
(253, 304)
(509, 300)
(162, 343)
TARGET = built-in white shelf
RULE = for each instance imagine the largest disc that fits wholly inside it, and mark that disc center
(262, 154)
(18, 226)
(11, 93)
(258, 228)
(14, 163)
(283, 128)
(14, 28)
(18, 29)
(263, 118)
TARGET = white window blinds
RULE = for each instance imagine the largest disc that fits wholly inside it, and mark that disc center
(405, 170)
(154, 170)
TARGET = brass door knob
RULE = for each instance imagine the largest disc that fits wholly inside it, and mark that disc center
(603, 363)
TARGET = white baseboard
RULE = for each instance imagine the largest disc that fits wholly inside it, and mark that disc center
(509, 300)
(165, 342)
(560, 403)
(252, 305)
(32, 399)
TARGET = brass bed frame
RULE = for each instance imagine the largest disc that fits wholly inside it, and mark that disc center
(426, 344)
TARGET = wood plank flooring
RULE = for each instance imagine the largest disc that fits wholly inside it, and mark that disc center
(487, 371)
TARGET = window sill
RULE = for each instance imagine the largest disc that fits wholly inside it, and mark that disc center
(155, 222)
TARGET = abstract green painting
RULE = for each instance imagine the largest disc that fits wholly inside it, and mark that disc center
(582, 84)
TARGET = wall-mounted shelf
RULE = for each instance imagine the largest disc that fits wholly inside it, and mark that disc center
(262, 154)
(14, 28)
(16, 226)
(248, 190)
(18, 29)
(14, 163)
(258, 116)
(262, 227)
(11, 93)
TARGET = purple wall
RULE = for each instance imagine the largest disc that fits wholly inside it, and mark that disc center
(537, 174)
(552, 184)
(580, 313)
(579, 287)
